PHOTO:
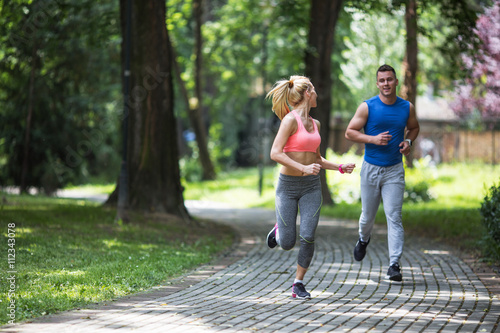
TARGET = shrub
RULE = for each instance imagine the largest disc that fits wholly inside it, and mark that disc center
(490, 211)
(417, 192)
(419, 180)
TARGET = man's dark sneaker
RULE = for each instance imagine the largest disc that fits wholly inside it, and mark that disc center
(360, 250)
(299, 291)
(271, 237)
(394, 273)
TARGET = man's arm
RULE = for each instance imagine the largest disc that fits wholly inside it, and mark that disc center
(412, 128)
(353, 131)
(412, 125)
(325, 164)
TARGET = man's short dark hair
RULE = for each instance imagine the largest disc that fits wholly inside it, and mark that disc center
(386, 68)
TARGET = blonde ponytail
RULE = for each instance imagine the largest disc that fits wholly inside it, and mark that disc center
(287, 93)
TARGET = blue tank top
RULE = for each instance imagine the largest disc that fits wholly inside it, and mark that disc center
(381, 118)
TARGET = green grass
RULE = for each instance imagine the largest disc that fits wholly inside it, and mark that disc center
(69, 253)
(238, 188)
(93, 188)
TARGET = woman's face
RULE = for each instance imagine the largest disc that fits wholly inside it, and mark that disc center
(312, 97)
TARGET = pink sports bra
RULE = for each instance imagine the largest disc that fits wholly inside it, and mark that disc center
(302, 140)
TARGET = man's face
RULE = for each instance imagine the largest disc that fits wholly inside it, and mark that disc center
(387, 83)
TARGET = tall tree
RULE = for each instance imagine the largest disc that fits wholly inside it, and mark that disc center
(452, 28)
(195, 109)
(410, 62)
(318, 59)
(152, 154)
(29, 117)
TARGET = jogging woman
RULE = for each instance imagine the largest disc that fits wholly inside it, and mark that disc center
(296, 148)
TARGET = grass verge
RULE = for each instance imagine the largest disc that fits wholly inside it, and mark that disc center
(69, 253)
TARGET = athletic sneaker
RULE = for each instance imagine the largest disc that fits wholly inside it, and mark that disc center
(299, 291)
(271, 237)
(360, 250)
(394, 273)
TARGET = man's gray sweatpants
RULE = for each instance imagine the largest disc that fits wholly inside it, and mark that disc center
(388, 184)
(293, 193)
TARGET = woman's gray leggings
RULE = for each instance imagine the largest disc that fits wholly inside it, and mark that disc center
(294, 193)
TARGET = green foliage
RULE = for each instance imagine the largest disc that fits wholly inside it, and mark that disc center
(417, 192)
(379, 37)
(70, 253)
(248, 42)
(490, 211)
(61, 60)
(446, 27)
(221, 154)
(345, 188)
(419, 180)
(190, 167)
(490, 249)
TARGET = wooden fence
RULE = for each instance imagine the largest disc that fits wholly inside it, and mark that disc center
(444, 141)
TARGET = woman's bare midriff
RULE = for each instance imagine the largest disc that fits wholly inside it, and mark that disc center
(302, 157)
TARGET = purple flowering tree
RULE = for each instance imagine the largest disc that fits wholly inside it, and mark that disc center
(480, 93)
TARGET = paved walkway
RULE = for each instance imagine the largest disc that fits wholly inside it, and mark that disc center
(249, 290)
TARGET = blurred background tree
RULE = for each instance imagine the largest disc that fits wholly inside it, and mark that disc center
(478, 95)
(59, 89)
(476, 98)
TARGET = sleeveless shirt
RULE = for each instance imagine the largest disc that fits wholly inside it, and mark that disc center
(381, 118)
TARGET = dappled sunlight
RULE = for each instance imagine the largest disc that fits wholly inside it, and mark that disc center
(62, 273)
(436, 252)
(109, 243)
(21, 231)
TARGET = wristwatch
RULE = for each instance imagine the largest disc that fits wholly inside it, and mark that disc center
(409, 141)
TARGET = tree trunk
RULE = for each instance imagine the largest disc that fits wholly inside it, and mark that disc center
(152, 154)
(196, 112)
(29, 116)
(318, 59)
(410, 62)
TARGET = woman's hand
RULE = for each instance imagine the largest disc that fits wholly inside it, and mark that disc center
(348, 167)
(311, 169)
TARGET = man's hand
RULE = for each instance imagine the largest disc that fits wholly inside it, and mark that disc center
(405, 148)
(382, 139)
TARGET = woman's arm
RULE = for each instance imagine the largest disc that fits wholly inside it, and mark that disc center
(325, 164)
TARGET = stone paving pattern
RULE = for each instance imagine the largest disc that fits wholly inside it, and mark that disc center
(250, 290)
